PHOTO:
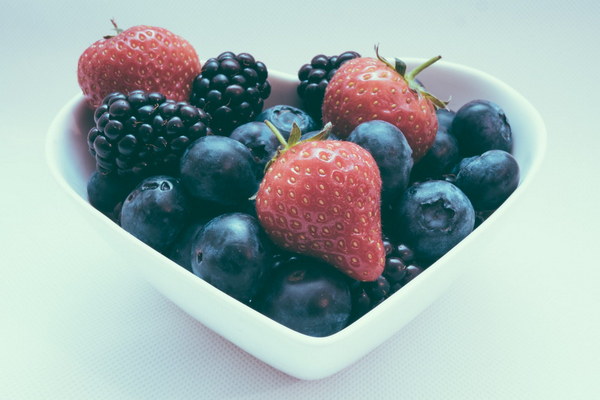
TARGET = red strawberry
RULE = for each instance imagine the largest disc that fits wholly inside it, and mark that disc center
(322, 198)
(366, 88)
(142, 57)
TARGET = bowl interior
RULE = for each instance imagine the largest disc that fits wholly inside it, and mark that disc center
(289, 351)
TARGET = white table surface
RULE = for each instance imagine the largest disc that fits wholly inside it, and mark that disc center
(75, 324)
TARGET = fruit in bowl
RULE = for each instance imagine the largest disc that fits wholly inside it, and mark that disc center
(267, 286)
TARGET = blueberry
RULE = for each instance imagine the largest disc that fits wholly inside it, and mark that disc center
(461, 164)
(180, 251)
(432, 217)
(219, 169)
(445, 118)
(307, 296)
(261, 142)
(156, 211)
(233, 253)
(443, 154)
(106, 191)
(481, 125)
(308, 135)
(283, 116)
(391, 152)
(489, 179)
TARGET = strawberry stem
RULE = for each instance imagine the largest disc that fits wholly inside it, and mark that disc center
(114, 23)
(410, 77)
(295, 138)
(277, 134)
(116, 28)
(398, 65)
(413, 73)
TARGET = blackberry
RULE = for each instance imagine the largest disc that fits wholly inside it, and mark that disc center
(314, 78)
(231, 89)
(400, 268)
(143, 133)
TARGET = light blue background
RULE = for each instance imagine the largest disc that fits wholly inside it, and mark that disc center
(74, 325)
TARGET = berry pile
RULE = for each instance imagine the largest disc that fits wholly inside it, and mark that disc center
(311, 219)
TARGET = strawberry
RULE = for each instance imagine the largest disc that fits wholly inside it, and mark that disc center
(142, 57)
(322, 198)
(366, 88)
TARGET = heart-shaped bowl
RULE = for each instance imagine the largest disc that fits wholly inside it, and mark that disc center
(296, 354)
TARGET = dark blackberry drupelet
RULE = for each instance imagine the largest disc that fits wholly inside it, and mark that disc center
(231, 88)
(142, 134)
(314, 78)
(400, 268)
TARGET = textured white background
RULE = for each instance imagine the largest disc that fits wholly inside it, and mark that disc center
(75, 324)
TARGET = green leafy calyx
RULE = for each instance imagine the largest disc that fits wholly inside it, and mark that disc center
(295, 138)
(400, 67)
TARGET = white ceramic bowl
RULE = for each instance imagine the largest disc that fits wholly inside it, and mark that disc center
(296, 354)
